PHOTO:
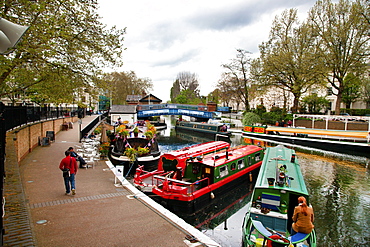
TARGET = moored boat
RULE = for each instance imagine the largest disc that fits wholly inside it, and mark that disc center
(189, 179)
(340, 141)
(205, 128)
(134, 145)
(279, 184)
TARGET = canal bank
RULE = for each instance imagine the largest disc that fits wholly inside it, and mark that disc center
(38, 213)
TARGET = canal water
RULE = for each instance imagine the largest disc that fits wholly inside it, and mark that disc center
(339, 187)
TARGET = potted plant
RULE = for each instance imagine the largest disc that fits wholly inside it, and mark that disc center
(124, 133)
(131, 153)
(149, 134)
(104, 149)
(142, 151)
(136, 131)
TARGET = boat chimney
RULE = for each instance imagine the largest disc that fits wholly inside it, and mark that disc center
(292, 159)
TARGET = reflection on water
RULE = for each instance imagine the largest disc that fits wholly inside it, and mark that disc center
(339, 188)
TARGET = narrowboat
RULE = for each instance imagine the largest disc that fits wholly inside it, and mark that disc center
(189, 179)
(269, 219)
(134, 145)
(205, 128)
(347, 142)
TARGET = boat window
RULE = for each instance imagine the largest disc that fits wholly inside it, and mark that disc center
(196, 168)
(223, 171)
(240, 164)
(194, 126)
(258, 156)
(233, 166)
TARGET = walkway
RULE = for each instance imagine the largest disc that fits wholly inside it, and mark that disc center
(37, 213)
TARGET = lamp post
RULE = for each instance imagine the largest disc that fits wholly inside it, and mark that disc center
(10, 34)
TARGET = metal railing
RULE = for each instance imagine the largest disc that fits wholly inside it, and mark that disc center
(17, 116)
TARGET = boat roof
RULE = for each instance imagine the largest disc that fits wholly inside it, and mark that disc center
(220, 158)
(343, 133)
(274, 158)
(197, 150)
(203, 123)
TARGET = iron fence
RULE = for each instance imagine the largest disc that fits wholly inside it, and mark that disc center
(21, 115)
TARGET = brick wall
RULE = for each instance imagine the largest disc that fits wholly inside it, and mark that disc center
(26, 138)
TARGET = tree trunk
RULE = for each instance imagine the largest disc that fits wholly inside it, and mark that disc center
(337, 103)
(295, 104)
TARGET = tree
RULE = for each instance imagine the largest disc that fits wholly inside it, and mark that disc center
(351, 89)
(64, 49)
(366, 91)
(251, 118)
(224, 86)
(187, 84)
(238, 74)
(314, 104)
(342, 31)
(122, 84)
(288, 59)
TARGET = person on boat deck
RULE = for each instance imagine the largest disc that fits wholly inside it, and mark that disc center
(224, 128)
(119, 122)
(303, 217)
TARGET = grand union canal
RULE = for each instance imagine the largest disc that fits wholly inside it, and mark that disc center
(339, 188)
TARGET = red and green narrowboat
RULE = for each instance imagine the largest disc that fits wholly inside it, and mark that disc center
(189, 179)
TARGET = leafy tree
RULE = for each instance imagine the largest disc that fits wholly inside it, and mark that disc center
(187, 97)
(342, 30)
(251, 118)
(64, 49)
(288, 59)
(351, 89)
(122, 84)
(366, 91)
(314, 104)
(238, 76)
(260, 110)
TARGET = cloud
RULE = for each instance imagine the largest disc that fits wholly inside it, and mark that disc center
(167, 37)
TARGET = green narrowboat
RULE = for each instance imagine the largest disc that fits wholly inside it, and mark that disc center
(279, 185)
(205, 128)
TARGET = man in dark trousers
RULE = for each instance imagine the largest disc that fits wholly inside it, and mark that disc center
(69, 179)
(77, 157)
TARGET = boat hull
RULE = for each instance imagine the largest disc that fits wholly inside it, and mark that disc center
(209, 129)
(207, 195)
(150, 162)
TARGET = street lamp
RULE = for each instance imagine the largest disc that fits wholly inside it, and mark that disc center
(10, 34)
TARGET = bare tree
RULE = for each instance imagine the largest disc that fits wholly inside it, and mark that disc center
(238, 69)
(186, 83)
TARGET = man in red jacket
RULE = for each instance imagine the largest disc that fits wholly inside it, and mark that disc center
(69, 163)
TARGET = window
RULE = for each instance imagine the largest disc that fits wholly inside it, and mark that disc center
(233, 166)
(223, 171)
(241, 164)
(258, 157)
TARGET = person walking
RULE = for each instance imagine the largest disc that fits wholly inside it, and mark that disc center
(69, 164)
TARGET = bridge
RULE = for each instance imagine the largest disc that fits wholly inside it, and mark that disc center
(198, 111)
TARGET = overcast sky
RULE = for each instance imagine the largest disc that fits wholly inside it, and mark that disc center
(166, 37)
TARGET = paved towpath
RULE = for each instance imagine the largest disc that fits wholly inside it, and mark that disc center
(100, 214)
